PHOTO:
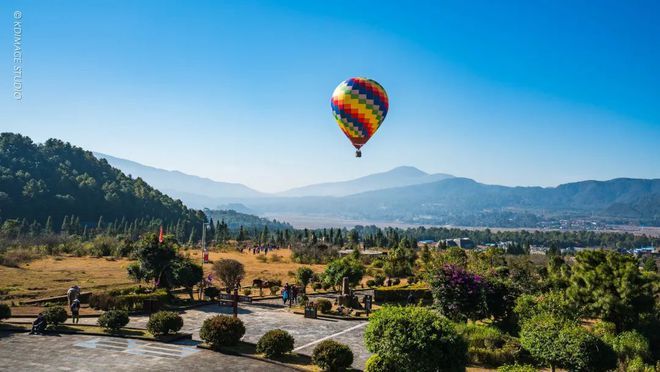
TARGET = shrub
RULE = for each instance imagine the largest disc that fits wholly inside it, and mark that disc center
(221, 330)
(371, 283)
(379, 279)
(113, 320)
(516, 368)
(55, 315)
(332, 356)
(400, 294)
(459, 294)
(127, 299)
(324, 305)
(275, 258)
(415, 338)
(412, 280)
(247, 291)
(274, 290)
(396, 281)
(211, 292)
(489, 346)
(164, 322)
(377, 364)
(555, 341)
(5, 311)
(275, 343)
(317, 286)
(630, 344)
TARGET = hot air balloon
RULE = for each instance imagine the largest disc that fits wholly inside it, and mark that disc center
(359, 105)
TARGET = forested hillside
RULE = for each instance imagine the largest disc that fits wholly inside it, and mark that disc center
(41, 184)
(235, 220)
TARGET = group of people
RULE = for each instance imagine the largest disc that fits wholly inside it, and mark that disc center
(72, 296)
(263, 249)
(290, 294)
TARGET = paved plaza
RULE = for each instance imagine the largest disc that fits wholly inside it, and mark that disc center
(88, 353)
(23, 352)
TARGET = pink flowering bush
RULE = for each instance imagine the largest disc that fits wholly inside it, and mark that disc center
(459, 294)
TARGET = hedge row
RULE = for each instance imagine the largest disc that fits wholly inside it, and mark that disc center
(401, 293)
(128, 302)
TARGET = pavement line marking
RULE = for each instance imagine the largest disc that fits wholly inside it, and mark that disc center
(331, 336)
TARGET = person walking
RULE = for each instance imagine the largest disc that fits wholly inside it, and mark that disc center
(294, 294)
(75, 311)
(285, 293)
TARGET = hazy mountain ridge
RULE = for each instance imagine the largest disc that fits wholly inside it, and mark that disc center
(196, 192)
(407, 194)
(397, 177)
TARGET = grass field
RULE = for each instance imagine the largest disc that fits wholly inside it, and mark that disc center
(52, 276)
(255, 268)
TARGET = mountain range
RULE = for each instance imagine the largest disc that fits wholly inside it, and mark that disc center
(409, 195)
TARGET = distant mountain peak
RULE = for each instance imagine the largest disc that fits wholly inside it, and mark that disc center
(397, 177)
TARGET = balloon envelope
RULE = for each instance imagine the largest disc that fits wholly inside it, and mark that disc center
(359, 105)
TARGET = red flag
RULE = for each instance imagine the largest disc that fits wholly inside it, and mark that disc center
(160, 235)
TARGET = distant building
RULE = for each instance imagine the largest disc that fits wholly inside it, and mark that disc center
(537, 249)
(366, 252)
(465, 243)
(430, 243)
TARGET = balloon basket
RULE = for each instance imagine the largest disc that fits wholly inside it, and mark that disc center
(358, 154)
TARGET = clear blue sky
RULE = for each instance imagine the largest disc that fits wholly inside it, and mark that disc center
(527, 93)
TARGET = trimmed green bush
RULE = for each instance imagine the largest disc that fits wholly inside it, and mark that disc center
(488, 346)
(379, 279)
(396, 281)
(211, 292)
(221, 330)
(164, 322)
(324, 305)
(317, 286)
(275, 343)
(5, 311)
(377, 364)
(415, 339)
(332, 356)
(130, 299)
(400, 294)
(113, 320)
(371, 283)
(55, 315)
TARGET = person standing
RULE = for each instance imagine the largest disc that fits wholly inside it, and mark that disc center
(75, 311)
(285, 293)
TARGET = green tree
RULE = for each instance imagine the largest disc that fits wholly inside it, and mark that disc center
(156, 258)
(344, 267)
(556, 342)
(187, 274)
(415, 338)
(610, 286)
(229, 272)
(304, 275)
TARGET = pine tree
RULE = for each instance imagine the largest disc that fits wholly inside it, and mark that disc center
(191, 239)
(65, 225)
(241, 234)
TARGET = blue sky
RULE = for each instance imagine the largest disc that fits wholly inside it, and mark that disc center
(513, 93)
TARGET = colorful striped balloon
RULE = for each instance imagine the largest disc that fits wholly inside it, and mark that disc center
(359, 105)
